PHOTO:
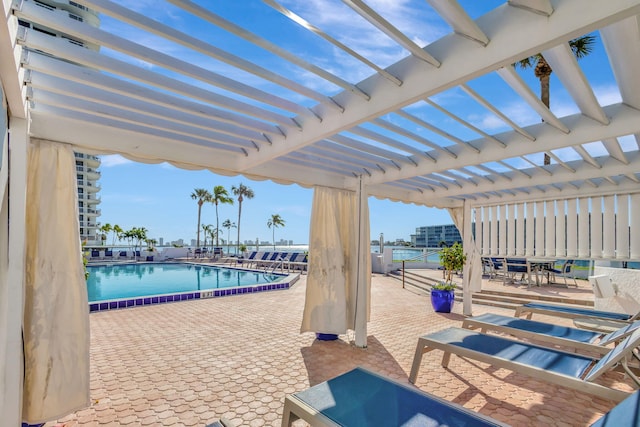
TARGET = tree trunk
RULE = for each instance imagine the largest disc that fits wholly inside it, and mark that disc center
(198, 237)
(543, 72)
(239, 215)
(217, 225)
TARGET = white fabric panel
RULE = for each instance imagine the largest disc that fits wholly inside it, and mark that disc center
(511, 230)
(331, 282)
(360, 285)
(550, 229)
(539, 240)
(622, 227)
(609, 228)
(485, 231)
(502, 230)
(635, 226)
(583, 228)
(561, 241)
(596, 227)
(520, 230)
(494, 230)
(56, 316)
(572, 228)
(530, 237)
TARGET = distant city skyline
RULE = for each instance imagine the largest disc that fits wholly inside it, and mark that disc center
(158, 197)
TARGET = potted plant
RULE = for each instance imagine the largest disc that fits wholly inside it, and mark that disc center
(442, 297)
(442, 294)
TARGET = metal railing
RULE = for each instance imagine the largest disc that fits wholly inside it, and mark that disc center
(424, 255)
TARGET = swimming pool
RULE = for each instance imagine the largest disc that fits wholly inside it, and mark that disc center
(112, 286)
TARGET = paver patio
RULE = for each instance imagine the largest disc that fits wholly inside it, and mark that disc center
(192, 362)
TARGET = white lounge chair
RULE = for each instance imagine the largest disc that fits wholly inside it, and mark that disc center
(365, 399)
(572, 312)
(558, 367)
(578, 339)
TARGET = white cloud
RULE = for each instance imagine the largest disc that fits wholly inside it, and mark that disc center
(607, 94)
(113, 160)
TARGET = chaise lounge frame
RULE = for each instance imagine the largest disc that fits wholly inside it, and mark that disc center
(451, 341)
(588, 342)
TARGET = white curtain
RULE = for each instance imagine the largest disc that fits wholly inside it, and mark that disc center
(56, 315)
(339, 278)
(472, 272)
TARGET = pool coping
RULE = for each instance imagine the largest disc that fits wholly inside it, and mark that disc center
(287, 281)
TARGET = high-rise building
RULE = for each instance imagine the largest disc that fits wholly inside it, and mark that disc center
(87, 175)
(86, 165)
(434, 236)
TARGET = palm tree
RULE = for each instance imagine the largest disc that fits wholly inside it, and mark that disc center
(117, 234)
(219, 195)
(104, 230)
(228, 225)
(241, 191)
(581, 47)
(275, 221)
(206, 230)
(201, 195)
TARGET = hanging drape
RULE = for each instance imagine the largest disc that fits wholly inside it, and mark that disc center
(472, 272)
(339, 277)
(56, 315)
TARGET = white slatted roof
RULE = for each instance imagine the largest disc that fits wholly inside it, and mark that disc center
(431, 113)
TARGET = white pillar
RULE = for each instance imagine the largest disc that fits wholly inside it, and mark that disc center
(12, 289)
(550, 228)
(572, 228)
(609, 228)
(539, 242)
(622, 227)
(520, 230)
(502, 230)
(511, 230)
(635, 226)
(561, 229)
(486, 249)
(494, 230)
(596, 227)
(530, 237)
(469, 246)
(363, 286)
(583, 228)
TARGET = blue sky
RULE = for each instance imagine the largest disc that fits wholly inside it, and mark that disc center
(158, 196)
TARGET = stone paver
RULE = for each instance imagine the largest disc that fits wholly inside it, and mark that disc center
(193, 362)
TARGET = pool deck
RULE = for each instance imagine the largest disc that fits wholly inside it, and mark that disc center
(190, 363)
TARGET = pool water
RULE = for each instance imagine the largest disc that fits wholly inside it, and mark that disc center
(118, 281)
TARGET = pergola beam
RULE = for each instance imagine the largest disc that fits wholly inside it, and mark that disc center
(513, 35)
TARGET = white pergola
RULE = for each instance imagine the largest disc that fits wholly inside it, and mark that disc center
(379, 135)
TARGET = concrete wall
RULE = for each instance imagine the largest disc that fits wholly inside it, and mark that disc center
(627, 283)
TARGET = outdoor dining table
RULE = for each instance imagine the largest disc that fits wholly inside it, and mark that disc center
(538, 265)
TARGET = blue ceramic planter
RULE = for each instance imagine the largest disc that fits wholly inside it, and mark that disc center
(442, 301)
(326, 337)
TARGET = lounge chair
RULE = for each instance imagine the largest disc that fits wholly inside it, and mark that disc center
(572, 312)
(363, 398)
(578, 339)
(558, 367)
(565, 270)
(299, 262)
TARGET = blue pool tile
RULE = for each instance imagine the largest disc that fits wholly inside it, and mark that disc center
(155, 300)
(216, 293)
(162, 299)
(139, 301)
(130, 303)
(93, 307)
(147, 301)
(104, 306)
(113, 304)
(197, 295)
(122, 304)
